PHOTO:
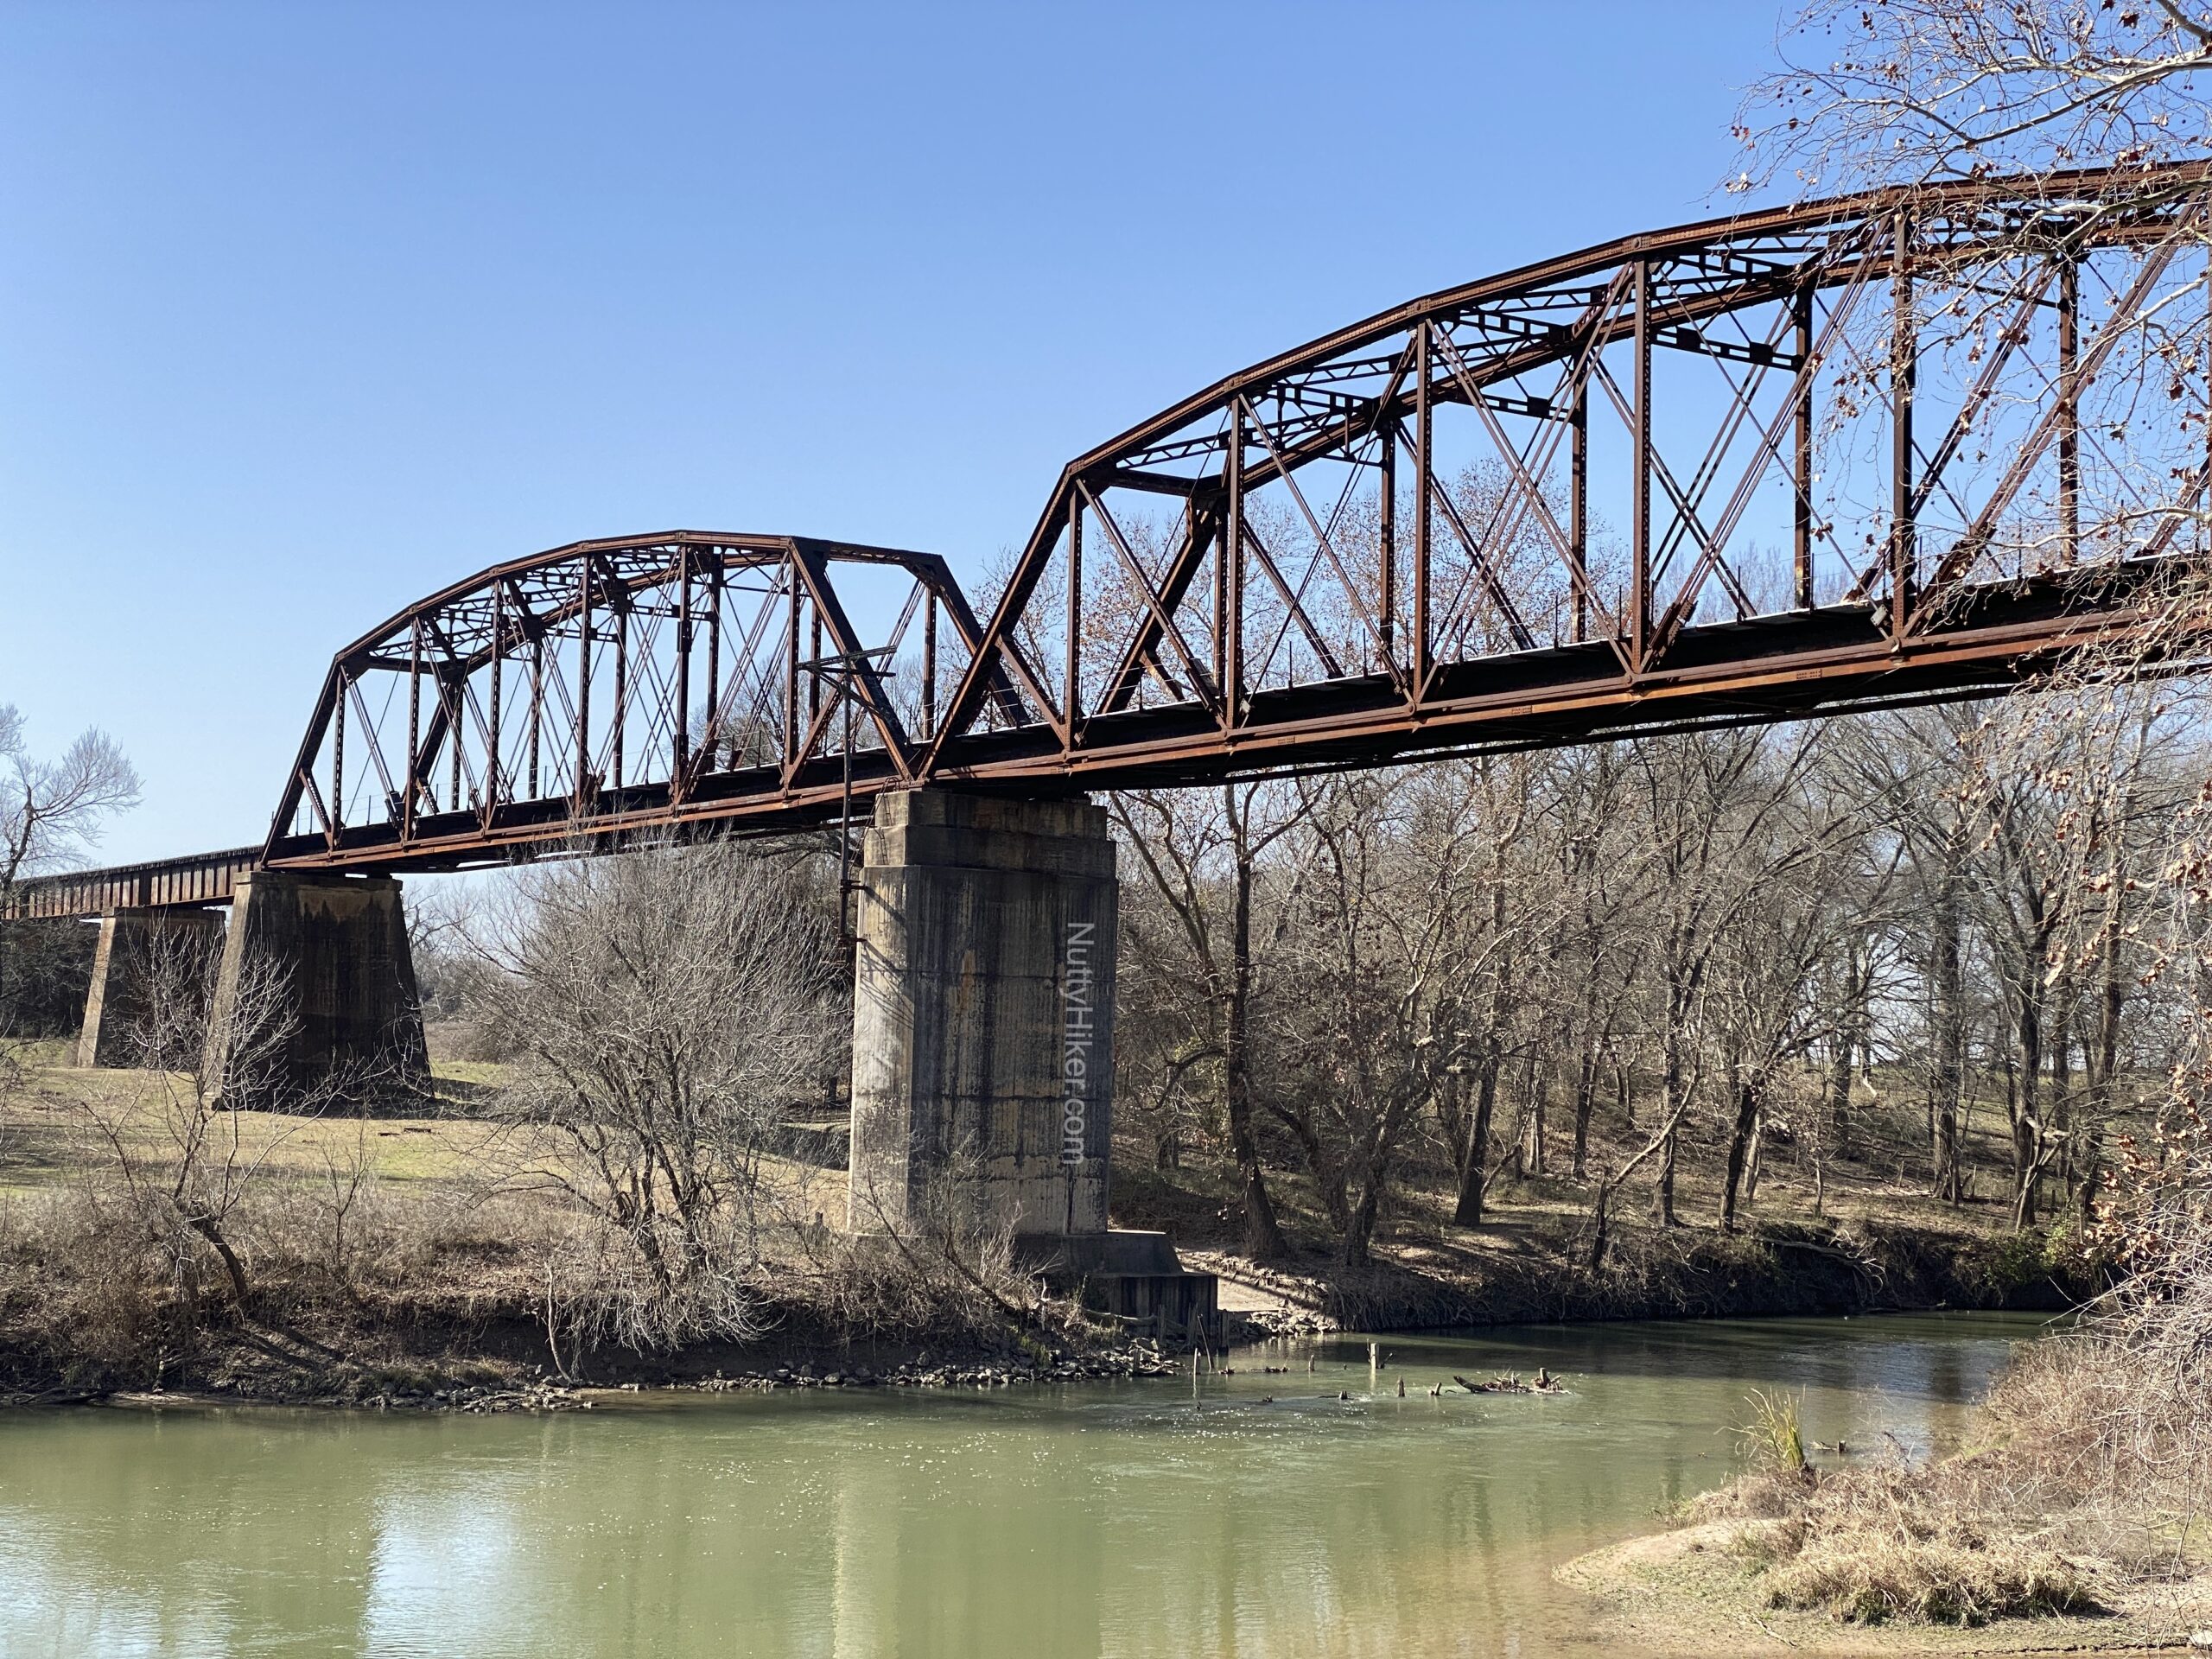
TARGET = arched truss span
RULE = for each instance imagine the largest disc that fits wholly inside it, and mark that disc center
(624, 686)
(1772, 464)
(1882, 449)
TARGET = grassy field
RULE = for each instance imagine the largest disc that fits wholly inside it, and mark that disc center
(56, 1123)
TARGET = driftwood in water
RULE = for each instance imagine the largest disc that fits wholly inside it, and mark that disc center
(1545, 1383)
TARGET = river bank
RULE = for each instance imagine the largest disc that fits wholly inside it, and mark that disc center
(1692, 1591)
(1769, 1269)
(1060, 1521)
(409, 1256)
(478, 1339)
(2066, 1517)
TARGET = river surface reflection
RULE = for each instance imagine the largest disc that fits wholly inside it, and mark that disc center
(1103, 1519)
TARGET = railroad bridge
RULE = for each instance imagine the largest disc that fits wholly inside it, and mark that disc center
(1846, 455)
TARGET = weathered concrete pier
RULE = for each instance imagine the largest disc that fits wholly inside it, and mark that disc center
(983, 1042)
(983, 1016)
(338, 1012)
(136, 943)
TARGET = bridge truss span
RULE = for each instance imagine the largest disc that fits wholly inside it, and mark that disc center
(1786, 463)
(634, 684)
(1878, 449)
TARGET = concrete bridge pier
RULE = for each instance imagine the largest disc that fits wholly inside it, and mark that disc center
(316, 996)
(983, 1044)
(984, 1018)
(135, 945)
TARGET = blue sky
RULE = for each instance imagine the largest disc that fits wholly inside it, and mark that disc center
(308, 309)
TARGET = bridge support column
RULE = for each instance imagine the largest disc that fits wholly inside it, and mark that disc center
(135, 945)
(316, 995)
(983, 1020)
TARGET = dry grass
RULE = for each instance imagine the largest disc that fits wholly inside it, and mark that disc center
(1775, 1437)
(1943, 1544)
(1869, 1576)
(2094, 1457)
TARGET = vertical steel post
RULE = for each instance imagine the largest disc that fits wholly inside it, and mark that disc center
(1904, 369)
(537, 703)
(1640, 514)
(498, 655)
(413, 728)
(2070, 412)
(1802, 530)
(791, 668)
(583, 679)
(1639, 598)
(337, 757)
(1424, 463)
(1073, 695)
(814, 654)
(708, 732)
(1387, 553)
(680, 739)
(1578, 499)
(1232, 586)
(455, 696)
(928, 665)
(621, 684)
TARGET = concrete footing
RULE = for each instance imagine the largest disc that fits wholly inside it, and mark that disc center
(316, 999)
(983, 1016)
(129, 1019)
(1138, 1278)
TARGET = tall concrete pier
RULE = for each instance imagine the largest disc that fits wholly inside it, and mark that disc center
(984, 1018)
(348, 1017)
(135, 945)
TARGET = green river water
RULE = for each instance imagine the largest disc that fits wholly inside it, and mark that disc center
(1099, 1519)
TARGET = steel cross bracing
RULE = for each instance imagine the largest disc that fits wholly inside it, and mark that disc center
(1781, 464)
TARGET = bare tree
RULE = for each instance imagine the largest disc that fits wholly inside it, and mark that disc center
(185, 1162)
(1202, 855)
(51, 812)
(1915, 91)
(663, 1010)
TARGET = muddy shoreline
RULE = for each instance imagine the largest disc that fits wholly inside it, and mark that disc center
(459, 1353)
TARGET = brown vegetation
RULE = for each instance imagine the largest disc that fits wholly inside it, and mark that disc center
(609, 1198)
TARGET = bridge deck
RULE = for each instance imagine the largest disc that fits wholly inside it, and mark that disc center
(195, 879)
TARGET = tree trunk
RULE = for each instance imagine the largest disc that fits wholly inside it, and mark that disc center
(2028, 1039)
(211, 1229)
(2102, 1062)
(1468, 1211)
(1670, 1105)
(1838, 1088)
(1359, 1229)
(2059, 1134)
(1263, 1240)
(1739, 1148)
(1948, 1073)
(1536, 1136)
(1586, 1101)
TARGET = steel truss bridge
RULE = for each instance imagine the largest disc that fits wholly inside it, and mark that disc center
(1792, 463)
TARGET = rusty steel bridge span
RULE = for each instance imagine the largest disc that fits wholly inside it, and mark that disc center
(1777, 464)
